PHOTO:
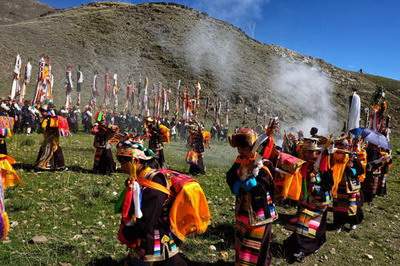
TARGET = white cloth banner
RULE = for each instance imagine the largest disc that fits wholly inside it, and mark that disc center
(354, 112)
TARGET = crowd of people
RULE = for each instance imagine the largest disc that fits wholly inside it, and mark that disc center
(159, 207)
(27, 119)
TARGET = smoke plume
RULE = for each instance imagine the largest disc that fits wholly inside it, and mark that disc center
(308, 91)
(210, 49)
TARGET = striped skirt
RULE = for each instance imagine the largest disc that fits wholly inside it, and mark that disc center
(346, 202)
(252, 244)
(347, 207)
(374, 184)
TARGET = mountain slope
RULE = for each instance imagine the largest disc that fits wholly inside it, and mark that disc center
(19, 10)
(171, 42)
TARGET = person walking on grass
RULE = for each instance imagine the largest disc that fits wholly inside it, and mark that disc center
(252, 184)
(145, 224)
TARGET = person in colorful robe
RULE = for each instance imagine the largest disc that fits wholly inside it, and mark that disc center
(145, 227)
(50, 156)
(15, 113)
(8, 178)
(309, 225)
(125, 148)
(3, 144)
(8, 175)
(6, 126)
(4, 220)
(253, 186)
(358, 147)
(87, 119)
(27, 117)
(378, 165)
(346, 170)
(194, 157)
(72, 118)
(156, 139)
(378, 118)
(103, 159)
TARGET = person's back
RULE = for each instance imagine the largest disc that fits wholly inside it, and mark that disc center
(25, 112)
(147, 230)
(224, 134)
(173, 132)
(213, 132)
(151, 233)
(73, 121)
(87, 121)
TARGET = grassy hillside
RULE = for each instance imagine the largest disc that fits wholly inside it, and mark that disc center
(167, 42)
(74, 211)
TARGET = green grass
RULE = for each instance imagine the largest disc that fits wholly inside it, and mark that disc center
(387, 83)
(74, 210)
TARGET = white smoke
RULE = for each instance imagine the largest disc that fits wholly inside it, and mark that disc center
(308, 91)
(211, 49)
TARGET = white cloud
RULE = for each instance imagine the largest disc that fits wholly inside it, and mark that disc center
(242, 13)
(236, 11)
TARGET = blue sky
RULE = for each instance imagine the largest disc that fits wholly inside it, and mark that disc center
(351, 34)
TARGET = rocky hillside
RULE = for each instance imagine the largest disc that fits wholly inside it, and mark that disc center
(167, 42)
(20, 10)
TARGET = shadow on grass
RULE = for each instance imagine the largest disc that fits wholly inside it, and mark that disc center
(31, 167)
(223, 231)
(280, 251)
(23, 166)
(79, 169)
(277, 249)
(220, 231)
(72, 168)
(284, 219)
(108, 261)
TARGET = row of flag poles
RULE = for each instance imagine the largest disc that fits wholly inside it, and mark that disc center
(44, 85)
(155, 102)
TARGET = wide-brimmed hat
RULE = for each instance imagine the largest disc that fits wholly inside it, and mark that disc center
(259, 143)
(140, 152)
(149, 119)
(4, 106)
(342, 144)
(44, 108)
(244, 137)
(310, 144)
(195, 125)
